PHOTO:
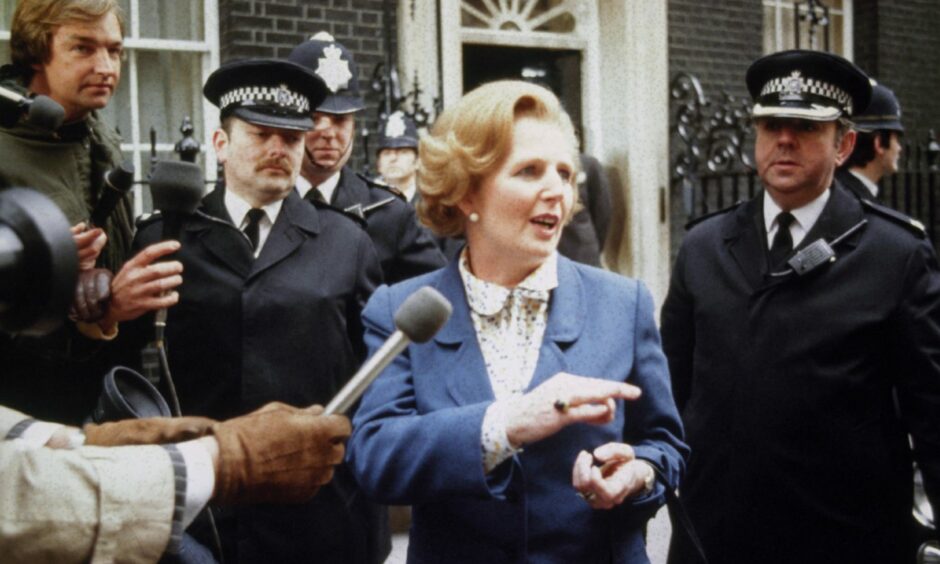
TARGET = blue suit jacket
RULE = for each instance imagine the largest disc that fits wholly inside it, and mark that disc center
(416, 437)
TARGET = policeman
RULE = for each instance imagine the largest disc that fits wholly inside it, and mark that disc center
(789, 320)
(877, 145)
(397, 154)
(405, 249)
(270, 303)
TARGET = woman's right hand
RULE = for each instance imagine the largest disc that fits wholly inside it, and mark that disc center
(560, 401)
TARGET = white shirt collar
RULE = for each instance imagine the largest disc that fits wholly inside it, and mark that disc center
(238, 210)
(805, 217)
(410, 190)
(326, 188)
(872, 187)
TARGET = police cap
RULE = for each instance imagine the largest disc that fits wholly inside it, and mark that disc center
(266, 92)
(398, 131)
(883, 112)
(809, 85)
(333, 63)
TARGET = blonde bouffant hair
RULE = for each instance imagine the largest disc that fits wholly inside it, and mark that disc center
(472, 139)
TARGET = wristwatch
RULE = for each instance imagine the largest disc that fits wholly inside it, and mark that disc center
(649, 482)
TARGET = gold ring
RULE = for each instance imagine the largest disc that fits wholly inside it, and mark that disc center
(587, 496)
(561, 406)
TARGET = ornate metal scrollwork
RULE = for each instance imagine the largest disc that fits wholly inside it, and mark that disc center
(712, 138)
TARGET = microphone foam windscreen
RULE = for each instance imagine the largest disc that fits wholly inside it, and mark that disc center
(176, 186)
(122, 177)
(45, 112)
(422, 314)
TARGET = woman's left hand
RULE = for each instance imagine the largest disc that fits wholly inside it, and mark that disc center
(619, 476)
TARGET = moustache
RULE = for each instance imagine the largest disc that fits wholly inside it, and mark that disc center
(282, 164)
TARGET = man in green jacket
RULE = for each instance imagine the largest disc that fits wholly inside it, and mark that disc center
(71, 51)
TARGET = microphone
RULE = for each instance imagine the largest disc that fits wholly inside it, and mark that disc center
(418, 318)
(41, 111)
(176, 188)
(117, 182)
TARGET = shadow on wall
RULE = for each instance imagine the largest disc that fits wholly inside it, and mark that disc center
(616, 255)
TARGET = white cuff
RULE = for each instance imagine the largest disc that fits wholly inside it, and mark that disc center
(200, 478)
(494, 442)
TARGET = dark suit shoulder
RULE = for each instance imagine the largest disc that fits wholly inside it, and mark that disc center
(700, 219)
(909, 224)
(329, 211)
(384, 189)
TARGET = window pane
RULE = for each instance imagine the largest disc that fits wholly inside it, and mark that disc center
(6, 14)
(170, 85)
(171, 19)
(118, 111)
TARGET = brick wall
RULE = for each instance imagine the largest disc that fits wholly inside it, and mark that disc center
(271, 28)
(897, 42)
(714, 40)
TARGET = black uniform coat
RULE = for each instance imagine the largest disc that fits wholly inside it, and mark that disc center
(851, 183)
(283, 327)
(582, 240)
(785, 387)
(405, 248)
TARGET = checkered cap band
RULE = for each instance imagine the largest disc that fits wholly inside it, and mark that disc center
(266, 96)
(811, 86)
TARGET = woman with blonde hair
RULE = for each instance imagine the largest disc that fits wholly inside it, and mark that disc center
(533, 426)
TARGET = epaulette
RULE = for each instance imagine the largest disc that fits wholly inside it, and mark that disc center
(359, 219)
(894, 216)
(692, 223)
(373, 183)
(146, 219)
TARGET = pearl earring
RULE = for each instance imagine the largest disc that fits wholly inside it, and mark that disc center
(474, 217)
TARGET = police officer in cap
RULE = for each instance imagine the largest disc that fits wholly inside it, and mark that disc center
(270, 300)
(397, 154)
(405, 249)
(877, 145)
(792, 322)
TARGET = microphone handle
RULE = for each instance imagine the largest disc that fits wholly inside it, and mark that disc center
(14, 96)
(367, 373)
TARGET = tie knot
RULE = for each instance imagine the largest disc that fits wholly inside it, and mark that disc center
(255, 215)
(784, 219)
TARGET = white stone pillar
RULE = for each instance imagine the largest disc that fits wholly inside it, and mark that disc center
(634, 90)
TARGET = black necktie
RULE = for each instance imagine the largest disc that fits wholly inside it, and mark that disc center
(782, 246)
(314, 195)
(252, 230)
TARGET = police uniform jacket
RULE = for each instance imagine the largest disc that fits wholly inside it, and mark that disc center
(785, 387)
(416, 436)
(283, 327)
(851, 183)
(58, 377)
(405, 249)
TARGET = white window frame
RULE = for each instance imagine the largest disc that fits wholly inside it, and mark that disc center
(139, 142)
(846, 12)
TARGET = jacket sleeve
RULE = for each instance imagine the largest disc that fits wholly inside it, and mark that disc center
(654, 428)
(89, 504)
(917, 342)
(678, 332)
(400, 455)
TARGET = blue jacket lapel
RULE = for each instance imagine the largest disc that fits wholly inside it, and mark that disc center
(565, 323)
(459, 349)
